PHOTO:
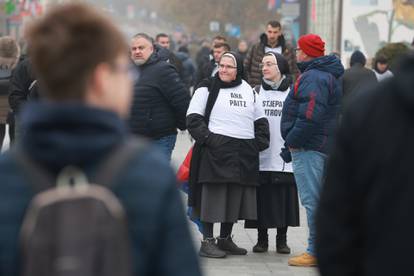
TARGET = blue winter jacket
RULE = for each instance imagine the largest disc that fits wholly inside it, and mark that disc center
(57, 135)
(310, 112)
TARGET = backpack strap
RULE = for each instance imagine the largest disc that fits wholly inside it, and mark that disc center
(118, 158)
(41, 179)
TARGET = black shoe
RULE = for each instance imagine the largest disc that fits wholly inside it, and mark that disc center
(282, 248)
(209, 249)
(228, 246)
(261, 247)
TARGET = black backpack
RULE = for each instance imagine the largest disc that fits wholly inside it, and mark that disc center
(75, 227)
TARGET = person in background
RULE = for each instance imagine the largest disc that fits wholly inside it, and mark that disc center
(277, 195)
(160, 98)
(357, 77)
(242, 49)
(274, 41)
(163, 40)
(211, 68)
(380, 68)
(9, 56)
(189, 70)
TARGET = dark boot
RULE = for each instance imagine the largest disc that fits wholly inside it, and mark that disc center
(262, 244)
(228, 246)
(209, 249)
(281, 244)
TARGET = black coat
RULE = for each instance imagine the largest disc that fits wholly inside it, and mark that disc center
(365, 221)
(160, 99)
(224, 159)
(23, 85)
(357, 78)
(205, 71)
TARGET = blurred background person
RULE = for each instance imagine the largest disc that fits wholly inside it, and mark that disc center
(357, 76)
(9, 56)
(380, 68)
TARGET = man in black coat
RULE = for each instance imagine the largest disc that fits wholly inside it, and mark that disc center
(357, 77)
(160, 98)
(365, 221)
(210, 68)
(163, 40)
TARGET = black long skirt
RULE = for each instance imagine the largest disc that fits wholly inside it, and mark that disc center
(277, 201)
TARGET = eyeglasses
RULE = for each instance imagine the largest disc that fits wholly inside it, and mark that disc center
(267, 64)
(227, 67)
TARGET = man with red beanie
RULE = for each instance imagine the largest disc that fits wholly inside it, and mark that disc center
(309, 119)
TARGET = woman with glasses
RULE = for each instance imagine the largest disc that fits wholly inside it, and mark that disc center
(230, 129)
(277, 199)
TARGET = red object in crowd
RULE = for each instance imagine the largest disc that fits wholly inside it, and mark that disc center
(183, 172)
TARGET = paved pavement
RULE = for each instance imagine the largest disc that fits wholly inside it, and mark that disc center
(254, 264)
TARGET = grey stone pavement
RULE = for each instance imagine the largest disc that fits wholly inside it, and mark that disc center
(254, 264)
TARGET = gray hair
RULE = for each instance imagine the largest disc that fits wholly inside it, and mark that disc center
(144, 36)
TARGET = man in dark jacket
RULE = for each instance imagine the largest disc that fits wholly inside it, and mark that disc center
(160, 98)
(309, 119)
(163, 40)
(211, 68)
(80, 125)
(357, 77)
(365, 218)
(270, 41)
(9, 55)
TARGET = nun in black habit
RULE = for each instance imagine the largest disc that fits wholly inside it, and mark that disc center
(230, 129)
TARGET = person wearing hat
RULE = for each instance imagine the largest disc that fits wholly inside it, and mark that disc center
(357, 77)
(309, 119)
(230, 128)
(9, 56)
(277, 195)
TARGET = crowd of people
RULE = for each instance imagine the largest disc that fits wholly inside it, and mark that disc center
(263, 121)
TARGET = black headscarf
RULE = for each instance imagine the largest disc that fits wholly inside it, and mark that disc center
(283, 66)
(214, 84)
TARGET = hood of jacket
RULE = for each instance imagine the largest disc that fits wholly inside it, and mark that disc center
(330, 64)
(57, 135)
(280, 42)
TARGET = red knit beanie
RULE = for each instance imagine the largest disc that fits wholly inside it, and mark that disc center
(312, 45)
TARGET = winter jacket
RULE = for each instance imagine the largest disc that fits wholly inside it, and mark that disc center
(160, 99)
(311, 109)
(22, 85)
(255, 55)
(357, 78)
(366, 205)
(205, 71)
(189, 70)
(58, 135)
